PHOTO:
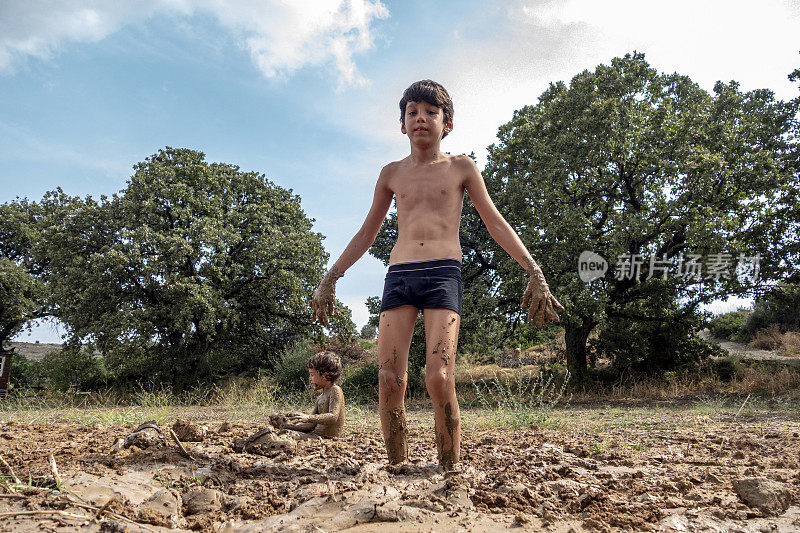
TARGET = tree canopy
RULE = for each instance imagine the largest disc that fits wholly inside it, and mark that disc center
(195, 270)
(631, 163)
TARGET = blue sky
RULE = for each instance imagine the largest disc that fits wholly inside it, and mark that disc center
(306, 92)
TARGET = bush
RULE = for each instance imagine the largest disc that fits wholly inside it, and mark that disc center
(26, 373)
(291, 373)
(361, 384)
(779, 306)
(731, 325)
(654, 346)
(369, 331)
(74, 368)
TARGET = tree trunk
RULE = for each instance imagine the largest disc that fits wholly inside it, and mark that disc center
(575, 337)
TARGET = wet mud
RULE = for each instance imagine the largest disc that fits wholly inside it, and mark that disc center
(397, 440)
(676, 472)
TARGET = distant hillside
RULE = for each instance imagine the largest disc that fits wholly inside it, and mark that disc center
(33, 350)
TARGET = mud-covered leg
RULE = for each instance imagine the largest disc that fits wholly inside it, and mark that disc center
(441, 337)
(394, 339)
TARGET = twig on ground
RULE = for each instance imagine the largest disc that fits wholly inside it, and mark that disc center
(741, 407)
(54, 470)
(183, 450)
(10, 470)
(105, 506)
(13, 496)
(55, 512)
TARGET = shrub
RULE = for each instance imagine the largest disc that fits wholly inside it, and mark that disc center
(768, 338)
(74, 368)
(360, 384)
(778, 306)
(521, 400)
(731, 325)
(291, 373)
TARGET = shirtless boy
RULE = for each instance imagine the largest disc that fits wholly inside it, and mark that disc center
(424, 267)
(327, 416)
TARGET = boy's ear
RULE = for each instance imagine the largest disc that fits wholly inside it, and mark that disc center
(448, 127)
(403, 127)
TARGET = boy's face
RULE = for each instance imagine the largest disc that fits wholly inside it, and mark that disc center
(423, 121)
(317, 379)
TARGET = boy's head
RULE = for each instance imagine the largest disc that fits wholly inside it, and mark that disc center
(431, 92)
(326, 364)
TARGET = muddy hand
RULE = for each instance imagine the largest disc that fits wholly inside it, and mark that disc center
(538, 300)
(322, 303)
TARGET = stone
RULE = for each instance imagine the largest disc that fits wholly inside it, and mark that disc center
(189, 432)
(770, 497)
(202, 501)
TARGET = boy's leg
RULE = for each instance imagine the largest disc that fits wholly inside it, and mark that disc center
(394, 339)
(441, 339)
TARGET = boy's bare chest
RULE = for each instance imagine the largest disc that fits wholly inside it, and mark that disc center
(323, 401)
(430, 188)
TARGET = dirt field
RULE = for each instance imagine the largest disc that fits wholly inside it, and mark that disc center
(659, 467)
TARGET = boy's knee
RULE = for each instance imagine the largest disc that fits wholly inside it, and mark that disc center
(439, 383)
(390, 379)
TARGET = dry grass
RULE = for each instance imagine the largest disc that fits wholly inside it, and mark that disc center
(790, 344)
(747, 379)
(767, 339)
(771, 338)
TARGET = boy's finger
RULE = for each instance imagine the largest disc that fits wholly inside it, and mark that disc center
(526, 300)
(557, 304)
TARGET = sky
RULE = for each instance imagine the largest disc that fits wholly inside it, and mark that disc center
(307, 91)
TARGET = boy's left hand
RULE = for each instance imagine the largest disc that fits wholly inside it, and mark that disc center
(538, 300)
(297, 418)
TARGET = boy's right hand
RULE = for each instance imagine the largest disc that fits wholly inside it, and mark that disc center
(322, 302)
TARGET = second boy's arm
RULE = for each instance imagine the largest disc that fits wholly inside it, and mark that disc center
(541, 304)
(325, 294)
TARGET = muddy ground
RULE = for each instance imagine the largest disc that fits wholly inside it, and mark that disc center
(640, 468)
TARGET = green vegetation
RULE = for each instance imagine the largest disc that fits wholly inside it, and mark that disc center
(524, 400)
(732, 326)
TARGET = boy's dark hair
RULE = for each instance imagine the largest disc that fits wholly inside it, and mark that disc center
(328, 364)
(431, 92)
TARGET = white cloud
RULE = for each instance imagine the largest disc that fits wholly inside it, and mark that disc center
(281, 37)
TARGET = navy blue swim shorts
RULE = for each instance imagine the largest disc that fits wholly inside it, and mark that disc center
(432, 284)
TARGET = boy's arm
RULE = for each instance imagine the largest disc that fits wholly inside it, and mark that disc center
(335, 410)
(537, 299)
(301, 422)
(325, 294)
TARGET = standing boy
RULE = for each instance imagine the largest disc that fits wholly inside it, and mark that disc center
(425, 267)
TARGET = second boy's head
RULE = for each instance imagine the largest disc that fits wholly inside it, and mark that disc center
(325, 365)
(431, 93)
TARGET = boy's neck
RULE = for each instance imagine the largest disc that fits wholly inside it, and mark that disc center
(425, 154)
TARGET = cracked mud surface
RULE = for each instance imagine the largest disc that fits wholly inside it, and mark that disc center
(603, 470)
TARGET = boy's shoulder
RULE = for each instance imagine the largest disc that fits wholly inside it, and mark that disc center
(458, 159)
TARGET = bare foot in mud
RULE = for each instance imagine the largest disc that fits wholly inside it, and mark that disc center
(397, 439)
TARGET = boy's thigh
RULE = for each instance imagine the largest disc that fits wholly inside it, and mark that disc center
(441, 336)
(395, 328)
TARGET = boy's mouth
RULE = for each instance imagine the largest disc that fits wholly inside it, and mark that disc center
(421, 129)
